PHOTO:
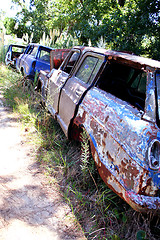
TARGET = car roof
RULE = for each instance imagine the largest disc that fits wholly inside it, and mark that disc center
(18, 45)
(123, 57)
(40, 45)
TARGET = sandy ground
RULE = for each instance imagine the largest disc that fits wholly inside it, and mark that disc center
(29, 207)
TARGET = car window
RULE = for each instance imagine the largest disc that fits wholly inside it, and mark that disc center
(44, 56)
(34, 51)
(139, 82)
(18, 49)
(88, 69)
(71, 62)
(125, 82)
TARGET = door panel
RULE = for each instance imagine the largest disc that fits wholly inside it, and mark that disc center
(70, 96)
(55, 84)
(58, 79)
(75, 87)
(43, 60)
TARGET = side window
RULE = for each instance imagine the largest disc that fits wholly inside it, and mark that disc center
(44, 56)
(139, 83)
(34, 51)
(89, 68)
(17, 49)
(124, 82)
(71, 62)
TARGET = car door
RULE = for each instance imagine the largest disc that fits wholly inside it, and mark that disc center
(28, 59)
(8, 55)
(43, 60)
(21, 60)
(58, 78)
(76, 86)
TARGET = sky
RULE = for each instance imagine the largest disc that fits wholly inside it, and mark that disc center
(6, 7)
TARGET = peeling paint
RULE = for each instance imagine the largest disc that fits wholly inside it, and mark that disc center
(120, 118)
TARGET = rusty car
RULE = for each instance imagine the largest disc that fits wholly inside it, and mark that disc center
(13, 52)
(114, 97)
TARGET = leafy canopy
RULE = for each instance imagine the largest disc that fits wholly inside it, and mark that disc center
(131, 25)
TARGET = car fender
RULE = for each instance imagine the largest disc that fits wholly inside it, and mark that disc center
(121, 162)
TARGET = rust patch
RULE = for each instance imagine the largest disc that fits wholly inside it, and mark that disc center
(106, 119)
(109, 156)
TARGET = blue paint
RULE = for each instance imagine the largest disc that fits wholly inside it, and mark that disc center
(86, 66)
(149, 108)
(158, 135)
(155, 177)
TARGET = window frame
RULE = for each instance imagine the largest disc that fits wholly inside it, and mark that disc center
(39, 54)
(64, 64)
(95, 55)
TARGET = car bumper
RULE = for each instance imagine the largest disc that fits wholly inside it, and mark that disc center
(143, 203)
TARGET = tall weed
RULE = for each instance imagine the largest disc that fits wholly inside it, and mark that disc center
(3, 51)
(58, 40)
(85, 156)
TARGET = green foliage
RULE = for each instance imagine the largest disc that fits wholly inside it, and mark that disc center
(57, 40)
(124, 25)
(3, 51)
(85, 156)
(15, 27)
(141, 235)
(115, 237)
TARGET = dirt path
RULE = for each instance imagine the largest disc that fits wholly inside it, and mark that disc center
(29, 207)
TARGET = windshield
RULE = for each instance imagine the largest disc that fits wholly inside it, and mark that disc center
(158, 93)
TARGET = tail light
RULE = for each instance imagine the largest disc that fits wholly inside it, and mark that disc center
(154, 154)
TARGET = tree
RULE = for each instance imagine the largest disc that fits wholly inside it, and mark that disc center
(14, 27)
(131, 25)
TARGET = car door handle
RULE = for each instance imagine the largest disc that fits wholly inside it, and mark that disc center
(62, 80)
(78, 92)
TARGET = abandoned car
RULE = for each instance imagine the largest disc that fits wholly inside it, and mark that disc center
(35, 58)
(115, 98)
(13, 52)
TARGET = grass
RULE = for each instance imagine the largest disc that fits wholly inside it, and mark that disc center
(101, 213)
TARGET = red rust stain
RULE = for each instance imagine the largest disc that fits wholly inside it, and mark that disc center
(103, 143)
(130, 173)
(142, 191)
(106, 119)
(105, 134)
(94, 127)
(133, 170)
(117, 169)
(129, 183)
(109, 156)
(123, 163)
(84, 116)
